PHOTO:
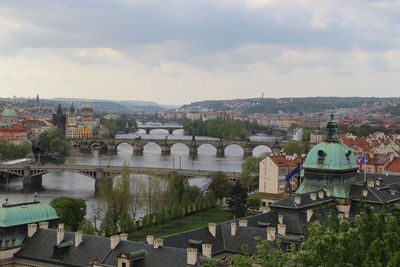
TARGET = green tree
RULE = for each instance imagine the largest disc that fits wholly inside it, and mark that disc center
(291, 148)
(86, 227)
(370, 239)
(237, 200)
(70, 210)
(117, 200)
(219, 185)
(49, 141)
(11, 151)
(250, 172)
(254, 202)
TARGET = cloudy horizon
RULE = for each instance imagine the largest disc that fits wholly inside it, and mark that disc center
(179, 51)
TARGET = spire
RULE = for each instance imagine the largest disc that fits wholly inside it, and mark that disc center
(332, 126)
(59, 109)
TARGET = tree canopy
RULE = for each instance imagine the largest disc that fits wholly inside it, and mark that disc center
(70, 210)
(371, 239)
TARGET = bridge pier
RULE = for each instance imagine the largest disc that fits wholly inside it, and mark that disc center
(220, 152)
(147, 130)
(112, 147)
(193, 150)
(137, 149)
(248, 151)
(84, 147)
(170, 131)
(165, 149)
(31, 183)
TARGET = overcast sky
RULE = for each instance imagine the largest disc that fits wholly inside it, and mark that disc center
(179, 51)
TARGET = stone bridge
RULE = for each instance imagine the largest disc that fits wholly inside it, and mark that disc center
(170, 129)
(166, 144)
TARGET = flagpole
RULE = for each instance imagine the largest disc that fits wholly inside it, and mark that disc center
(365, 174)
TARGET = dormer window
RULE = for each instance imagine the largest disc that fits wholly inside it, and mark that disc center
(321, 156)
(348, 154)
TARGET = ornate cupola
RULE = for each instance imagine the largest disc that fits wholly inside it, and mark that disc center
(329, 165)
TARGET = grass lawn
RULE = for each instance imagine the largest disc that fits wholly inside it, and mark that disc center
(193, 221)
(270, 196)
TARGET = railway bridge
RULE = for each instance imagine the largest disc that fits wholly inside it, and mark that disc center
(32, 173)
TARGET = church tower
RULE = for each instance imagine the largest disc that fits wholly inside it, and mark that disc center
(59, 120)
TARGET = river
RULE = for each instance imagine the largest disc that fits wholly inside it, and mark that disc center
(79, 186)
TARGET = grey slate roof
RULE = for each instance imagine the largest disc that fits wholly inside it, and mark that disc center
(305, 201)
(40, 247)
(373, 195)
(202, 234)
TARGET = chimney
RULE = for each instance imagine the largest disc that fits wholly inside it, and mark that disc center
(280, 218)
(61, 226)
(60, 236)
(212, 227)
(44, 225)
(243, 223)
(158, 242)
(32, 228)
(282, 229)
(313, 196)
(328, 192)
(150, 239)
(365, 192)
(370, 184)
(271, 233)
(233, 228)
(114, 241)
(78, 238)
(206, 250)
(123, 236)
(309, 214)
(321, 194)
(377, 182)
(297, 200)
(191, 256)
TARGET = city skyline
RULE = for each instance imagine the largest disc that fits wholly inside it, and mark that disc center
(178, 52)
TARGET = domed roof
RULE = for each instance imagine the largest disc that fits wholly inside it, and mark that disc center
(331, 154)
(9, 112)
(11, 215)
(87, 108)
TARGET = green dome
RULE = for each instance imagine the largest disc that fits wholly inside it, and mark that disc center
(9, 112)
(330, 156)
(20, 214)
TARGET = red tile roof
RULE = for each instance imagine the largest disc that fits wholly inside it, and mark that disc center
(394, 165)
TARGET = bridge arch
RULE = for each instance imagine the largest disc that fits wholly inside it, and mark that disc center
(98, 144)
(123, 143)
(207, 149)
(234, 150)
(261, 149)
(151, 146)
(180, 148)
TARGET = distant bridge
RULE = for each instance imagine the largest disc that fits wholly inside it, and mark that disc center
(169, 128)
(166, 144)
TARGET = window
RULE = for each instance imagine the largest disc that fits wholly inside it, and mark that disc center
(321, 156)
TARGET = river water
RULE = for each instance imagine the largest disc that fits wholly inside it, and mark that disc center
(79, 186)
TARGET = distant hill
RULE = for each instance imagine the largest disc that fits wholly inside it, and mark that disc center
(286, 105)
(114, 105)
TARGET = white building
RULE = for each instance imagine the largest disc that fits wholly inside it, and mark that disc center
(273, 170)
